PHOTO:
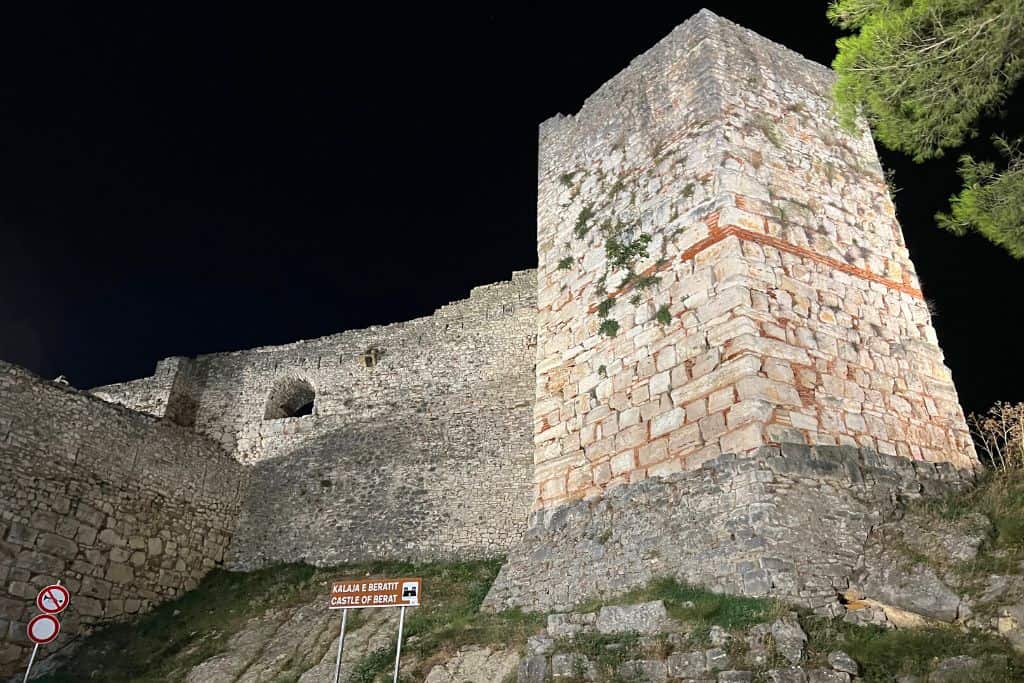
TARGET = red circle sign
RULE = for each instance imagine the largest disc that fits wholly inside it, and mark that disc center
(53, 599)
(43, 629)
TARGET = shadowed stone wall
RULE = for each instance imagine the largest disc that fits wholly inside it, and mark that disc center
(473, 354)
(409, 486)
(127, 510)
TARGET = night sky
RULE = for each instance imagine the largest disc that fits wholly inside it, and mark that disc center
(182, 181)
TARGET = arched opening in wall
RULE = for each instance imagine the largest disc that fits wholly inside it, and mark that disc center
(290, 398)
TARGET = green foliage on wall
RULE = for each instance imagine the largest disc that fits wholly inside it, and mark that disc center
(609, 327)
(663, 316)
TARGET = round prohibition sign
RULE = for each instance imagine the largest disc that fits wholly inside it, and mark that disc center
(43, 629)
(53, 599)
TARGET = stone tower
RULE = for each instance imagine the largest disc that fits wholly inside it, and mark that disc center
(720, 268)
(737, 375)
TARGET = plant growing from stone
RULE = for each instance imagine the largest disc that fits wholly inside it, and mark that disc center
(609, 327)
(663, 316)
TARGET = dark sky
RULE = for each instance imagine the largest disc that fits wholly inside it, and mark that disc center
(182, 181)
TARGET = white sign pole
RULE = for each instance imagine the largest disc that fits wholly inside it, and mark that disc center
(341, 644)
(30, 660)
(398, 650)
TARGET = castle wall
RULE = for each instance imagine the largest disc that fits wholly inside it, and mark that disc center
(426, 454)
(788, 522)
(125, 509)
(790, 310)
(168, 393)
(473, 353)
(415, 486)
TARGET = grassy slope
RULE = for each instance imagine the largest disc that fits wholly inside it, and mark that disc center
(1000, 497)
(164, 644)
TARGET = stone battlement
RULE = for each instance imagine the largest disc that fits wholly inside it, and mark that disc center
(481, 346)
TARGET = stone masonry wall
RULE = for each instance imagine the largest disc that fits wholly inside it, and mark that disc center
(776, 302)
(428, 453)
(788, 522)
(168, 393)
(127, 510)
(410, 486)
(479, 350)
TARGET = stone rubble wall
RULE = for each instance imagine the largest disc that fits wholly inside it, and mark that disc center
(427, 454)
(168, 393)
(795, 315)
(148, 395)
(473, 353)
(409, 486)
(126, 510)
(789, 522)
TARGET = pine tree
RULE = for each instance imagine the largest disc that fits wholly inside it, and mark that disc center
(922, 72)
(991, 203)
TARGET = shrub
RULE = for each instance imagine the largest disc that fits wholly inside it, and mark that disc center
(999, 435)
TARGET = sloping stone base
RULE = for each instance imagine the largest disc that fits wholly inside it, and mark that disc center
(788, 522)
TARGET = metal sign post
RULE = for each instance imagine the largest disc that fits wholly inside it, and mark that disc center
(30, 660)
(341, 644)
(44, 628)
(398, 649)
(361, 593)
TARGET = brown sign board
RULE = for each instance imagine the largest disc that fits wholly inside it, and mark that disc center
(375, 593)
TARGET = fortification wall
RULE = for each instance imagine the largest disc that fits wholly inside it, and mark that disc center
(788, 522)
(426, 455)
(168, 393)
(789, 307)
(127, 510)
(419, 444)
(407, 486)
(478, 352)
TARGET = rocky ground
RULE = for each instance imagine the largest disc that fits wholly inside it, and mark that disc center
(938, 596)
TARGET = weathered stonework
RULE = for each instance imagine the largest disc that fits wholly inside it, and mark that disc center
(127, 510)
(709, 405)
(413, 485)
(789, 522)
(794, 313)
(471, 355)
(418, 446)
(419, 443)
